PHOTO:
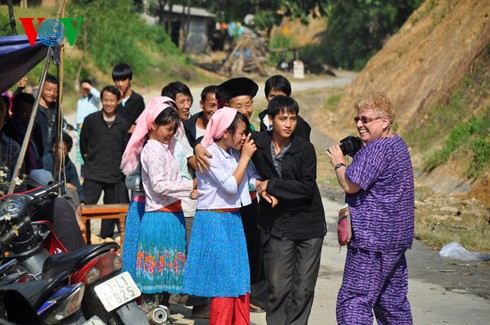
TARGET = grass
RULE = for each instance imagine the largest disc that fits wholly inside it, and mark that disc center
(458, 129)
(472, 232)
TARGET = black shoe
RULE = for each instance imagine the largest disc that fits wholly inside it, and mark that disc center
(201, 312)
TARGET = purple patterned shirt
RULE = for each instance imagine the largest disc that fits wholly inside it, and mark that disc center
(383, 210)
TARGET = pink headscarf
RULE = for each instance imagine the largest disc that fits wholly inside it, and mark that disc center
(131, 156)
(217, 125)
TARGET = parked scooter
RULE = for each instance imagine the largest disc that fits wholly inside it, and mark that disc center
(109, 294)
(23, 301)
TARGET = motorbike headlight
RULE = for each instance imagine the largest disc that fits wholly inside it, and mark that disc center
(62, 304)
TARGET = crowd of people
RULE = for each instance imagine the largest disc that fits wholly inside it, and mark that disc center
(223, 216)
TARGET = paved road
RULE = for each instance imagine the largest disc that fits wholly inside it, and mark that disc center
(431, 303)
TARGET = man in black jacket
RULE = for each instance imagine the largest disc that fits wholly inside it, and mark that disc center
(294, 226)
(102, 143)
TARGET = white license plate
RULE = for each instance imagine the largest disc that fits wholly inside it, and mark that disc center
(117, 291)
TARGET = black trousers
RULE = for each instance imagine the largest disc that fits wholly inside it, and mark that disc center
(64, 220)
(113, 193)
(250, 221)
(291, 268)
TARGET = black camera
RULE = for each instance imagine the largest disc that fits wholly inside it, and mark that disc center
(350, 145)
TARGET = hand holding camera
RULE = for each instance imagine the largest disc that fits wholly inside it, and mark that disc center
(348, 146)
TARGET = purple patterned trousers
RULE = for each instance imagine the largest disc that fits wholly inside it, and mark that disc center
(374, 281)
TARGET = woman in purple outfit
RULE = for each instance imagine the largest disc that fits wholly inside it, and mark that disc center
(380, 193)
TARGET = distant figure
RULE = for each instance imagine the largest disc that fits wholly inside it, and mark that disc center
(75, 193)
(132, 104)
(9, 152)
(16, 128)
(47, 114)
(102, 142)
(89, 103)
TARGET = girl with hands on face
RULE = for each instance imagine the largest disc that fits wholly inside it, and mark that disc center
(217, 261)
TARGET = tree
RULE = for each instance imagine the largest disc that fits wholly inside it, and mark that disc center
(357, 29)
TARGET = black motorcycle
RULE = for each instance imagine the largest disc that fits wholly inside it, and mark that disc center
(109, 295)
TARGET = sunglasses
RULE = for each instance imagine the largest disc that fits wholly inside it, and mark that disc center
(365, 119)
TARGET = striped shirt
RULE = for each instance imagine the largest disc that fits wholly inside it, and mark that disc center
(383, 210)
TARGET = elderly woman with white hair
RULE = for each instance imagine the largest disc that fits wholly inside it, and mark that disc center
(379, 190)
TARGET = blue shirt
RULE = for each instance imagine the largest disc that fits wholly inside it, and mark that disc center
(382, 211)
(217, 187)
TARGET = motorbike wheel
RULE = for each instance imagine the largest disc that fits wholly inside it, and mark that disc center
(128, 314)
(131, 313)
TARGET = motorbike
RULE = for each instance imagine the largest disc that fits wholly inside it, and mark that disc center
(109, 295)
(29, 301)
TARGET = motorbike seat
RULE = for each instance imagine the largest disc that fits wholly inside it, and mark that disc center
(71, 261)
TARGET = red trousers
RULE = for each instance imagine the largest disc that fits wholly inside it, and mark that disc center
(230, 311)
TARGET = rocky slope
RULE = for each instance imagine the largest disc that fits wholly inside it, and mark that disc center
(420, 67)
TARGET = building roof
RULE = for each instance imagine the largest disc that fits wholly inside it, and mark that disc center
(200, 12)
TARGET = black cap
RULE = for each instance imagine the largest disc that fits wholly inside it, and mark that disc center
(236, 87)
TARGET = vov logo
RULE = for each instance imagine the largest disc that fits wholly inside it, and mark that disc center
(51, 32)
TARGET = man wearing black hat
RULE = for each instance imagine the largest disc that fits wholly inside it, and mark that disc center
(239, 93)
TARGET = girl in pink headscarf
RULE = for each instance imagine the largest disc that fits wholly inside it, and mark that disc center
(130, 166)
(160, 250)
(217, 261)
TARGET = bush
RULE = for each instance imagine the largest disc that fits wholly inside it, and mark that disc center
(113, 32)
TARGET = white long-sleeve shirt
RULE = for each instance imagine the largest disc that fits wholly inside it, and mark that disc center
(161, 178)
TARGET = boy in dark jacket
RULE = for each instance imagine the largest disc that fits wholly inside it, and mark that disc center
(294, 226)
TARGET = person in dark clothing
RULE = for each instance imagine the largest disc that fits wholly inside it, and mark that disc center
(47, 114)
(195, 127)
(16, 128)
(9, 153)
(57, 211)
(69, 173)
(102, 143)
(132, 103)
(279, 86)
(295, 226)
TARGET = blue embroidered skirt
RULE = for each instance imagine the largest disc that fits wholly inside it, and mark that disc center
(132, 236)
(161, 252)
(217, 261)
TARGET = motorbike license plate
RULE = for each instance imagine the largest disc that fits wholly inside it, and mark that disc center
(117, 291)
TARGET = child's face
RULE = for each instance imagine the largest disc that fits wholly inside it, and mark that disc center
(62, 150)
(236, 140)
(123, 85)
(163, 133)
